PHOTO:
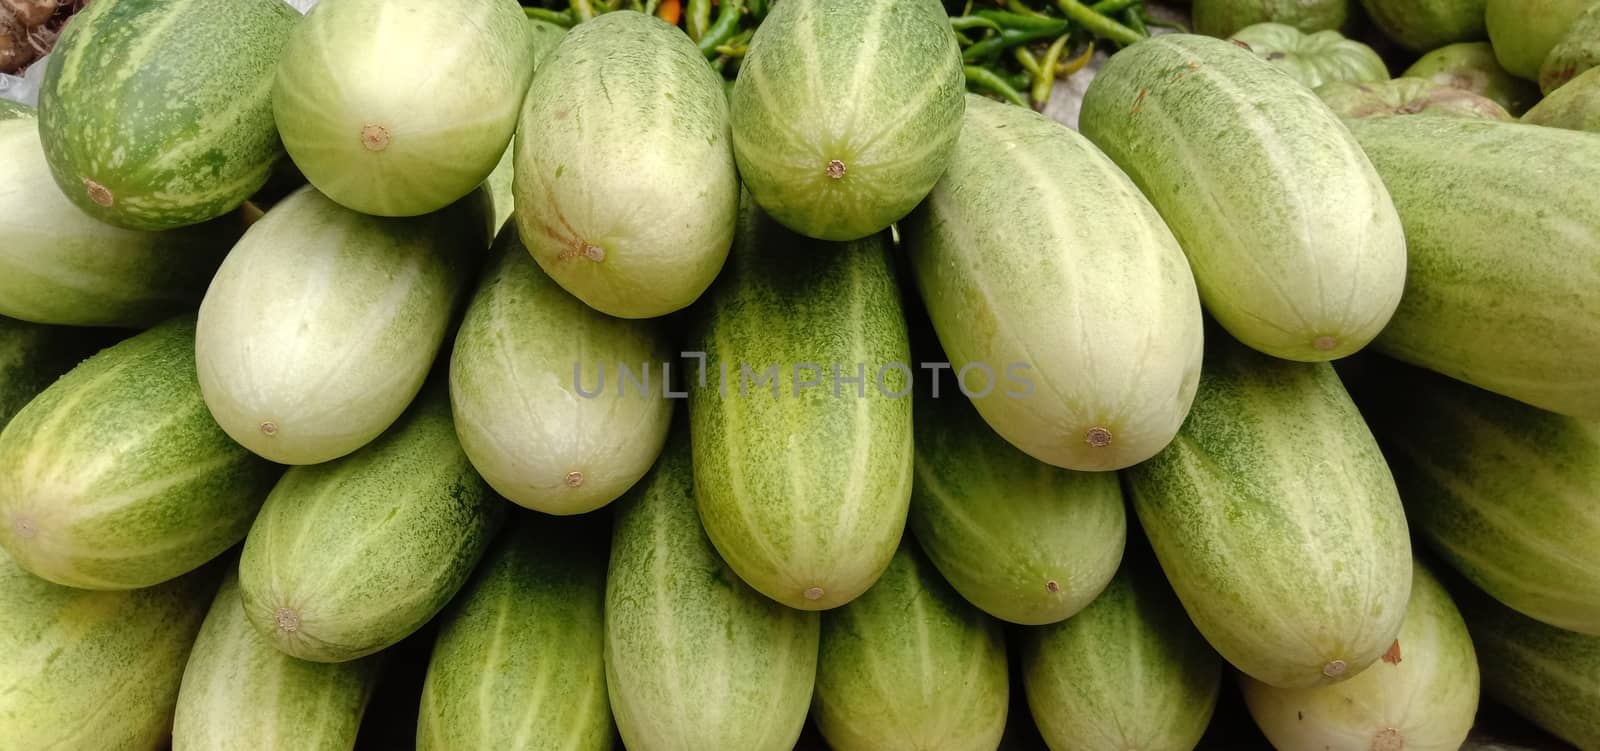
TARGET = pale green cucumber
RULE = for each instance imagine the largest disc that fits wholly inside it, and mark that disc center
(1313, 59)
(115, 477)
(696, 660)
(625, 180)
(1524, 31)
(541, 405)
(1575, 106)
(1129, 672)
(1100, 383)
(1422, 25)
(1221, 18)
(1480, 306)
(33, 356)
(1577, 52)
(803, 479)
(519, 662)
(93, 671)
(1277, 521)
(1407, 96)
(1024, 541)
(545, 36)
(241, 694)
(321, 325)
(1472, 66)
(1422, 695)
(1295, 244)
(351, 556)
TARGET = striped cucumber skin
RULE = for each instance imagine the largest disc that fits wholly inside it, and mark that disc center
(59, 265)
(33, 356)
(1277, 521)
(115, 477)
(1472, 66)
(157, 114)
(1295, 244)
(1129, 672)
(519, 664)
(1575, 106)
(1422, 696)
(1467, 311)
(804, 491)
(1423, 25)
(1316, 58)
(1524, 31)
(543, 436)
(402, 107)
(93, 671)
(1030, 214)
(322, 324)
(696, 660)
(240, 693)
(351, 556)
(910, 665)
(11, 110)
(625, 182)
(846, 112)
(1024, 541)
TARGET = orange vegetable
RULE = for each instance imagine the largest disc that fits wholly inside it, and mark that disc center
(670, 11)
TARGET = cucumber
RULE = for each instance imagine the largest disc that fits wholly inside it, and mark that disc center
(1130, 671)
(545, 36)
(846, 112)
(625, 180)
(696, 660)
(1278, 523)
(1421, 696)
(94, 670)
(10, 110)
(32, 357)
(543, 435)
(1407, 96)
(1221, 18)
(322, 323)
(351, 556)
(240, 693)
(1575, 106)
(1466, 312)
(1524, 31)
(1024, 541)
(1422, 25)
(1077, 229)
(519, 663)
(910, 665)
(1313, 59)
(1577, 52)
(115, 477)
(1297, 249)
(157, 114)
(1472, 66)
(803, 488)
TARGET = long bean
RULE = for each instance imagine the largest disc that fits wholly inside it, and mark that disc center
(724, 29)
(699, 19)
(1108, 7)
(1045, 79)
(987, 79)
(1135, 21)
(1100, 26)
(561, 18)
(967, 23)
(1007, 39)
(1022, 22)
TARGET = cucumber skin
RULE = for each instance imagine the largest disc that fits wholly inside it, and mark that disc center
(1313, 59)
(1467, 312)
(1221, 18)
(1472, 66)
(33, 356)
(1524, 31)
(1577, 52)
(1407, 97)
(1298, 251)
(1422, 25)
(1575, 106)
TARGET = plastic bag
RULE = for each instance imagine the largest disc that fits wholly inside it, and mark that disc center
(25, 88)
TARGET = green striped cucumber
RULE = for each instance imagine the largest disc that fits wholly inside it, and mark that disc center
(351, 556)
(240, 693)
(402, 107)
(1221, 18)
(1277, 521)
(519, 664)
(1543, 673)
(1313, 59)
(157, 114)
(1575, 106)
(1577, 52)
(1421, 696)
(32, 357)
(322, 324)
(696, 660)
(1296, 247)
(1407, 96)
(10, 110)
(1524, 31)
(803, 475)
(910, 665)
(1472, 66)
(93, 671)
(1024, 541)
(528, 381)
(1467, 312)
(59, 265)
(1422, 25)
(115, 477)
(994, 282)
(1129, 672)
(846, 112)
(625, 180)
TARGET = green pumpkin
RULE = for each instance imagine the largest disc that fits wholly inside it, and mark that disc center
(1313, 59)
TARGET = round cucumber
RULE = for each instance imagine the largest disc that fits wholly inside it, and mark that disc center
(1221, 18)
(1422, 25)
(1407, 96)
(846, 112)
(1524, 31)
(1313, 59)
(1575, 106)
(1472, 66)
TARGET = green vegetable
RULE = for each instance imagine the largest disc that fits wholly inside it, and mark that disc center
(1421, 25)
(1473, 67)
(1313, 59)
(1575, 106)
(1407, 96)
(1577, 52)
(1221, 18)
(1524, 31)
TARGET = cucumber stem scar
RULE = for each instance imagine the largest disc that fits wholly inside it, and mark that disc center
(813, 593)
(1325, 343)
(835, 169)
(269, 428)
(375, 137)
(1098, 437)
(99, 193)
(574, 479)
(1389, 739)
(287, 620)
(1052, 586)
(1334, 669)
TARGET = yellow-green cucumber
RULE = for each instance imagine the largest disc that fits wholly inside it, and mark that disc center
(1098, 382)
(351, 556)
(1296, 247)
(115, 477)
(625, 180)
(519, 665)
(1524, 31)
(1577, 52)
(240, 693)
(321, 325)
(696, 660)
(544, 37)
(540, 399)
(1407, 96)
(1313, 59)
(1472, 66)
(1221, 18)
(1466, 311)
(1422, 25)
(33, 356)
(1575, 106)
(1277, 521)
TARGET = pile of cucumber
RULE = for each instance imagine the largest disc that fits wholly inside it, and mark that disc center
(541, 385)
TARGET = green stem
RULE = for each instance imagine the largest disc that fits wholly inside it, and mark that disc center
(1022, 22)
(986, 79)
(758, 9)
(583, 10)
(1134, 21)
(558, 17)
(1100, 26)
(1045, 80)
(967, 23)
(724, 29)
(1021, 8)
(1026, 59)
(1007, 39)
(1108, 7)
(698, 15)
